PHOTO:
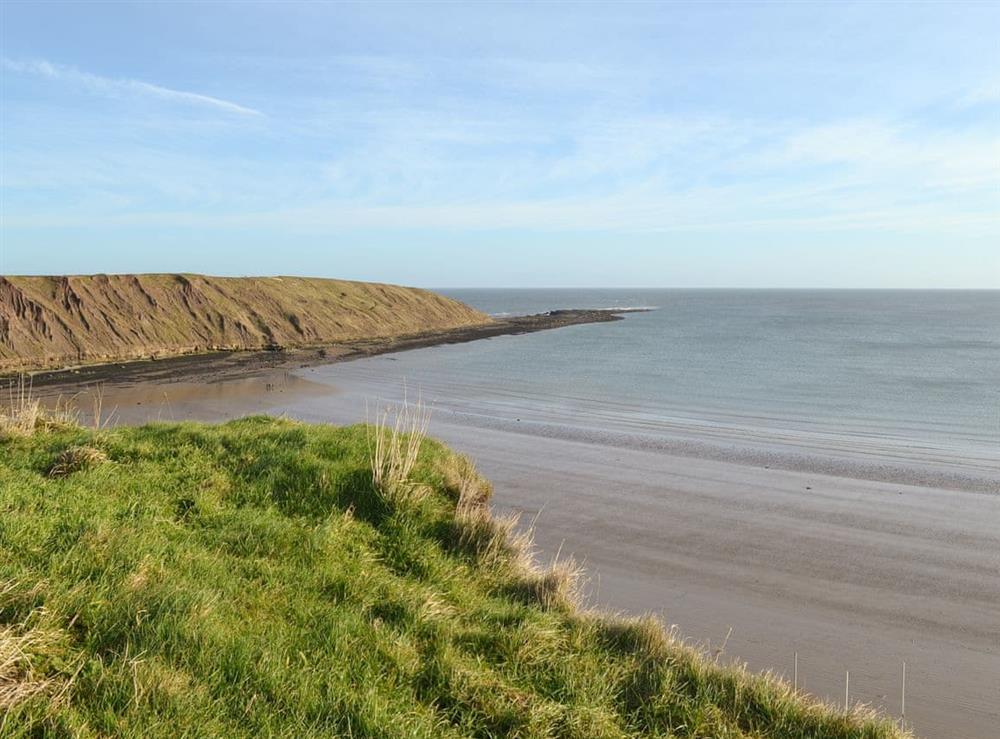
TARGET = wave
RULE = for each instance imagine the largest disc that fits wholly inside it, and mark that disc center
(630, 307)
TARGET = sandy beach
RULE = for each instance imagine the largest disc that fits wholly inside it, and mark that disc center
(853, 573)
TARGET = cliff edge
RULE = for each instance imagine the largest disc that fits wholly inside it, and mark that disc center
(48, 322)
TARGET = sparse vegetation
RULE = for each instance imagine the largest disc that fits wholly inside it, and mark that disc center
(256, 579)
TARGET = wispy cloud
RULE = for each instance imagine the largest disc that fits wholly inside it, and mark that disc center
(118, 87)
(613, 173)
(986, 93)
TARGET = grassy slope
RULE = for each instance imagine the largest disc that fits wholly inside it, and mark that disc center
(246, 580)
(54, 321)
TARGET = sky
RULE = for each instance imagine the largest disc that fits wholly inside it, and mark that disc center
(476, 144)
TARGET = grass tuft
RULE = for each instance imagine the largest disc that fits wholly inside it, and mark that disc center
(394, 442)
(23, 413)
(556, 587)
(34, 674)
(76, 458)
(20, 681)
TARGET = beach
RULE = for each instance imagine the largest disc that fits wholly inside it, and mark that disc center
(851, 574)
(849, 546)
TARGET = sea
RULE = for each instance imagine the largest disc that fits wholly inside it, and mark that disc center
(843, 376)
(886, 385)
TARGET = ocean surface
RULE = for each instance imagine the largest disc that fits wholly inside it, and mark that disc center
(882, 385)
(909, 374)
(918, 366)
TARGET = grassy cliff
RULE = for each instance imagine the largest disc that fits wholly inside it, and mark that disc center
(56, 321)
(256, 579)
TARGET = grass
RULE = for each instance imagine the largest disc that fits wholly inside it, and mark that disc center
(255, 579)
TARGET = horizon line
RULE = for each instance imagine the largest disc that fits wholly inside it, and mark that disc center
(528, 287)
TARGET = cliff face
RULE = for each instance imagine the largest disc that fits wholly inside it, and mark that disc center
(58, 321)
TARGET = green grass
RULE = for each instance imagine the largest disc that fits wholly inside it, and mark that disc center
(248, 580)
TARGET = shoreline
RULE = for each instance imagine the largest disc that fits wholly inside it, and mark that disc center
(223, 365)
(794, 561)
(852, 574)
(706, 528)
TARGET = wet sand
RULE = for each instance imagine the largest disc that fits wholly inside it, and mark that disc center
(851, 569)
(851, 574)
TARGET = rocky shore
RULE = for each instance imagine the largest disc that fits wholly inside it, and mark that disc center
(210, 366)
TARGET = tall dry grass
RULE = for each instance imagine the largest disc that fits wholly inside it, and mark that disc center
(394, 441)
(19, 680)
(26, 649)
(500, 540)
(24, 413)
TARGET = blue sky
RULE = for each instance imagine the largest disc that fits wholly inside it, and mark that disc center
(670, 144)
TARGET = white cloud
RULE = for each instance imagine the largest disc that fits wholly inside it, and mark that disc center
(116, 87)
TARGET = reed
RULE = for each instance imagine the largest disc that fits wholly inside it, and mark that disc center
(394, 442)
(23, 411)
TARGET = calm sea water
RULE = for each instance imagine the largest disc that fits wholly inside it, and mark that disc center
(917, 367)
